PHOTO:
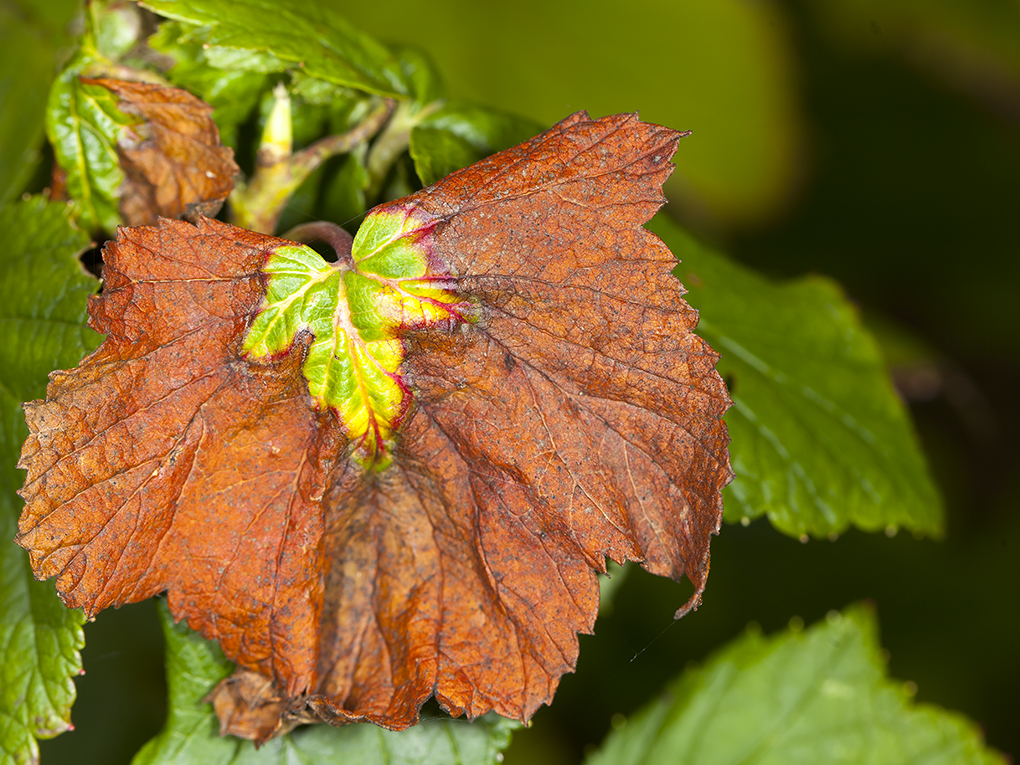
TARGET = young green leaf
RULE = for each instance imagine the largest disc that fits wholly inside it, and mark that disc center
(818, 696)
(82, 123)
(191, 734)
(820, 439)
(42, 313)
(343, 193)
(288, 34)
(460, 134)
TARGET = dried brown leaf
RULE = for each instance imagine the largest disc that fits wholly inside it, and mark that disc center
(560, 410)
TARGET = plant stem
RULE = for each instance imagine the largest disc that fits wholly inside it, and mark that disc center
(279, 171)
(393, 141)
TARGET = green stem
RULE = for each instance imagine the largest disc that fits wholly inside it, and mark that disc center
(279, 171)
(393, 142)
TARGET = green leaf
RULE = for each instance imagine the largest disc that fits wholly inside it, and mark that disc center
(42, 327)
(354, 309)
(818, 696)
(83, 124)
(30, 35)
(819, 438)
(289, 34)
(116, 26)
(460, 134)
(191, 735)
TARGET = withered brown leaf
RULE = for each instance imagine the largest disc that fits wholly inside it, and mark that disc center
(173, 162)
(560, 411)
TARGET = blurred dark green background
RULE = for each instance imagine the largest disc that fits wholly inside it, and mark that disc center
(877, 141)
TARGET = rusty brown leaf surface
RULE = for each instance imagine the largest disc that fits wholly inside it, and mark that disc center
(173, 161)
(578, 418)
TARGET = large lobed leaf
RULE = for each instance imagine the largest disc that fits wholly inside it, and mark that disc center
(818, 696)
(820, 438)
(42, 327)
(191, 734)
(284, 34)
(552, 408)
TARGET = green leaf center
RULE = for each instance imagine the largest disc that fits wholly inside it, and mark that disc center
(358, 313)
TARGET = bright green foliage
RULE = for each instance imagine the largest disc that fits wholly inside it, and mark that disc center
(30, 34)
(115, 26)
(354, 315)
(191, 735)
(460, 134)
(273, 37)
(83, 124)
(42, 327)
(820, 439)
(818, 696)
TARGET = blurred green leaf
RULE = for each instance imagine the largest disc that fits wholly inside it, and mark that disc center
(191, 735)
(272, 37)
(458, 135)
(83, 124)
(819, 438)
(818, 696)
(118, 26)
(30, 36)
(42, 316)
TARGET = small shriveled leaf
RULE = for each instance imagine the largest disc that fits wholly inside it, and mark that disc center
(397, 475)
(818, 696)
(459, 134)
(191, 734)
(173, 161)
(821, 441)
(42, 318)
(132, 151)
(288, 34)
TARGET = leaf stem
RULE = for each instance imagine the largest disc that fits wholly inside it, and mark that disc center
(393, 142)
(330, 233)
(258, 204)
